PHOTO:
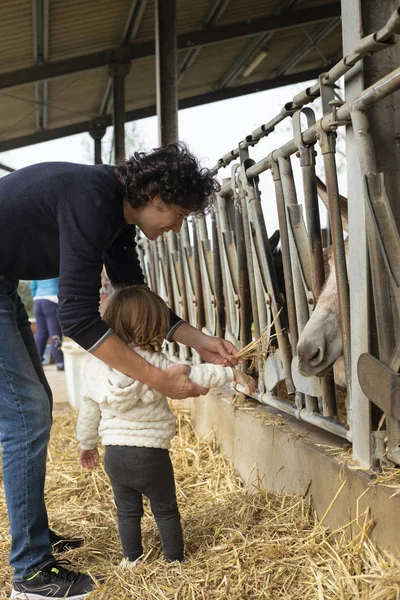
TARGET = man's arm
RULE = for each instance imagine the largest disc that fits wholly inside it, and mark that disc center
(173, 382)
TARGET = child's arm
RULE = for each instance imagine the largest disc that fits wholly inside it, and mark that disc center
(211, 376)
(87, 431)
(215, 375)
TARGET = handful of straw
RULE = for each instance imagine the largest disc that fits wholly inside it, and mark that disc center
(257, 350)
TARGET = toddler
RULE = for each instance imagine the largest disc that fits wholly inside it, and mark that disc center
(135, 422)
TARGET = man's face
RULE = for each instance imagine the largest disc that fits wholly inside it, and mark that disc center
(155, 217)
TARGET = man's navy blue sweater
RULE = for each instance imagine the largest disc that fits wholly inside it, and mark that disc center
(64, 219)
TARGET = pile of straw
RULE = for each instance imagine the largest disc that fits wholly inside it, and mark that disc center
(240, 544)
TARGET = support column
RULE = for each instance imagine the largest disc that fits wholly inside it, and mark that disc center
(384, 125)
(118, 71)
(97, 130)
(166, 71)
(360, 18)
(359, 406)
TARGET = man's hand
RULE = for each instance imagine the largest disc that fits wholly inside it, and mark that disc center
(89, 458)
(175, 384)
(217, 351)
(212, 349)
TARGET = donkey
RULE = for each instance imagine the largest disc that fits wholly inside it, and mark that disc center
(320, 344)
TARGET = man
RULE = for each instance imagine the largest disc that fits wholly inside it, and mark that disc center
(67, 220)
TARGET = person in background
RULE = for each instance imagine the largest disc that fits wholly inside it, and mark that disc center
(135, 421)
(45, 304)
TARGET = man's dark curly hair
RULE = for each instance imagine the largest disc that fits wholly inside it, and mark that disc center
(171, 171)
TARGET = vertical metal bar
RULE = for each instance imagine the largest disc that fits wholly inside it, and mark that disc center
(166, 71)
(249, 258)
(314, 228)
(327, 143)
(307, 164)
(218, 281)
(380, 284)
(183, 241)
(206, 257)
(287, 265)
(268, 271)
(97, 152)
(97, 130)
(358, 405)
(162, 252)
(317, 270)
(118, 72)
(244, 286)
(197, 272)
(228, 256)
(290, 197)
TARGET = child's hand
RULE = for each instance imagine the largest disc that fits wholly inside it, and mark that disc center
(245, 380)
(89, 458)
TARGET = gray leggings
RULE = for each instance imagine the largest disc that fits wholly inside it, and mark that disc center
(135, 471)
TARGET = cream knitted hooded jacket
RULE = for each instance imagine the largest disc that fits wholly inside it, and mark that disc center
(126, 412)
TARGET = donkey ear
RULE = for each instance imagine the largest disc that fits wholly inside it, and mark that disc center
(274, 240)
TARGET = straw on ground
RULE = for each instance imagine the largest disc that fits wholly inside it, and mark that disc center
(241, 544)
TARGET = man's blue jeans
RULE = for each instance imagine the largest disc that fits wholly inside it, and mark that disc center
(25, 421)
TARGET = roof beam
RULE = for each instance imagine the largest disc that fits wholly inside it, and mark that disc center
(6, 168)
(40, 9)
(210, 35)
(131, 28)
(149, 111)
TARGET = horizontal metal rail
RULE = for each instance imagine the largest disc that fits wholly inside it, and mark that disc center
(372, 43)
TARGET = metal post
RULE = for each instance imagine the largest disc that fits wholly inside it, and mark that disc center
(197, 273)
(359, 407)
(118, 72)
(97, 130)
(307, 164)
(327, 144)
(166, 71)
(290, 199)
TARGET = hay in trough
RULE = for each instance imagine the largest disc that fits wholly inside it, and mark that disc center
(241, 544)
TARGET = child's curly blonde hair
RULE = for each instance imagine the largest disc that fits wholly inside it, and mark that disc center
(137, 314)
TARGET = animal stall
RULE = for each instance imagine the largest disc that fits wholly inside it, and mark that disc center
(222, 275)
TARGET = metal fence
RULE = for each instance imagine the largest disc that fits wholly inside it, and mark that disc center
(221, 275)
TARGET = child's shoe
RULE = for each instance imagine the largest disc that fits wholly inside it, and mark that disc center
(128, 564)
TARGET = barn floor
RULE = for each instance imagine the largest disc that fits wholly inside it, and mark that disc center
(240, 543)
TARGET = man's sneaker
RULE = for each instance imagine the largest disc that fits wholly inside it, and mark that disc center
(62, 543)
(54, 581)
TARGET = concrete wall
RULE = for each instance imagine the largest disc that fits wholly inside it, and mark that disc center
(287, 454)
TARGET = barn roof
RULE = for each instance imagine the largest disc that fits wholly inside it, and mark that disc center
(54, 56)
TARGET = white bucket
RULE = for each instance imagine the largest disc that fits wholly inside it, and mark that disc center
(74, 358)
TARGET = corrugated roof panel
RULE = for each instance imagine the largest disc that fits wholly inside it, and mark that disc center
(78, 27)
(212, 63)
(146, 30)
(286, 44)
(17, 112)
(16, 39)
(190, 16)
(247, 11)
(75, 98)
(141, 84)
